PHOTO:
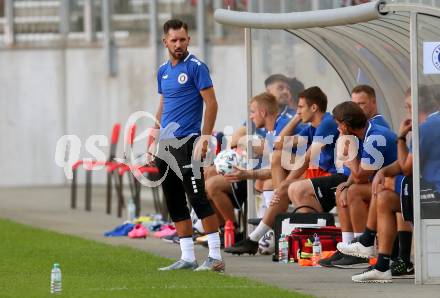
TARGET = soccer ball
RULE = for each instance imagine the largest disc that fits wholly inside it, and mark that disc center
(225, 161)
(266, 245)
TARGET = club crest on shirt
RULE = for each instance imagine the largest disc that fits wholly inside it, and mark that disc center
(182, 78)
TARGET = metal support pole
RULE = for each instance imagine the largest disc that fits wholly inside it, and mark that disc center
(74, 186)
(250, 185)
(252, 6)
(137, 197)
(89, 20)
(88, 204)
(108, 208)
(120, 195)
(201, 32)
(219, 32)
(154, 36)
(109, 42)
(261, 6)
(418, 253)
(64, 18)
(9, 22)
(315, 5)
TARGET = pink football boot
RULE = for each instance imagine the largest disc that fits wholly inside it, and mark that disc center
(139, 231)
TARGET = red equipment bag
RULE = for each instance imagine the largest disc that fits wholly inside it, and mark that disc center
(329, 237)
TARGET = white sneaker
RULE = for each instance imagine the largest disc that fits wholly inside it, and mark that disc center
(356, 249)
(374, 276)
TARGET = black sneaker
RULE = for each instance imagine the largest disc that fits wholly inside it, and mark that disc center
(350, 262)
(327, 262)
(400, 269)
(246, 246)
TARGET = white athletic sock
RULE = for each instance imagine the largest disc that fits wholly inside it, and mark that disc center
(347, 237)
(267, 195)
(214, 246)
(259, 231)
(357, 234)
(187, 248)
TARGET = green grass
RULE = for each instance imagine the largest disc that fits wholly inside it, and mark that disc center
(92, 269)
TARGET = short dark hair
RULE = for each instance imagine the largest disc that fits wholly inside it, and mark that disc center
(314, 95)
(268, 101)
(174, 24)
(274, 78)
(366, 89)
(296, 87)
(351, 114)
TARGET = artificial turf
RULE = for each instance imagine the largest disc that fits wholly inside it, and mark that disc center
(92, 269)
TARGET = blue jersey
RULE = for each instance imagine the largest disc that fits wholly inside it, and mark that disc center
(378, 148)
(326, 133)
(379, 120)
(180, 86)
(430, 149)
(283, 118)
(270, 137)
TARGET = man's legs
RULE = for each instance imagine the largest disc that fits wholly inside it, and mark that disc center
(388, 203)
(302, 193)
(175, 199)
(218, 190)
(250, 245)
(359, 196)
(344, 216)
(278, 173)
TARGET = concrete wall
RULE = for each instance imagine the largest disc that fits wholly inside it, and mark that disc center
(45, 94)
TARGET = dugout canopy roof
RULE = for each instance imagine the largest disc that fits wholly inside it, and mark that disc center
(390, 45)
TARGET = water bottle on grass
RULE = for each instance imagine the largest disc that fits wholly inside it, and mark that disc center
(131, 210)
(55, 279)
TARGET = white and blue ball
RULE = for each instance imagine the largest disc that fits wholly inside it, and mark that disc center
(225, 161)
(266, 245)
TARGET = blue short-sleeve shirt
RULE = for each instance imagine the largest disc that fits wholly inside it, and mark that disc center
(430, 150)
(378, 148)
(379, 120)
(326, 133)
(180, 86)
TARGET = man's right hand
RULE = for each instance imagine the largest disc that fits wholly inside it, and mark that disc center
(237, 175)
(378, 183)
(342, 189)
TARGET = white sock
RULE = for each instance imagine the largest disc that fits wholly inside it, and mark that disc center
(357, 234)
(267, 195)
(259, 231)
(214, 246)
(347, 237)
(187, 248)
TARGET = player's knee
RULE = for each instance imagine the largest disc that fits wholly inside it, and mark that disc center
(201, 205)
(292, 190)
(383, 200)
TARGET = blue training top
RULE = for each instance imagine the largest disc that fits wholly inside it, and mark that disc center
(284, 117)
(378, 148)
(180, 86)
(327, 132)
(430, 149)
(379, 120)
